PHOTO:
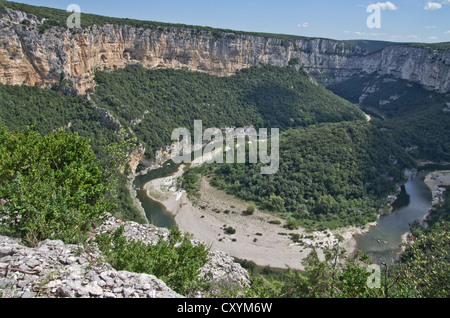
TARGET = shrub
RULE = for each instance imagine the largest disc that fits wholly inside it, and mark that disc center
(176, 261)
(230, 230)
(295, 237)
(291, 225)
(250, 210)
(53, 186)
(293, 62)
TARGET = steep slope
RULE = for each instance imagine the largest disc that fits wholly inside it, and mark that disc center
(417, 118)
(47, 110)
(153, 103)
(35, 50)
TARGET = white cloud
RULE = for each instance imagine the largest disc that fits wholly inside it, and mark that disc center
(412, 36)
(447, 32)
(431, 6)
(387, 6)
(303, 25)
(369, 34)
(434, 38)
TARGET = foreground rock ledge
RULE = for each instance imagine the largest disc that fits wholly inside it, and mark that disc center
(56, 270)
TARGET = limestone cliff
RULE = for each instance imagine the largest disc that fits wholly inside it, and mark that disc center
(33, 58)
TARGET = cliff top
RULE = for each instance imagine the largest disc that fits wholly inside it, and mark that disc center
(57, 17)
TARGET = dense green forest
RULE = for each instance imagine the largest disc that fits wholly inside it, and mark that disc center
(416, 118)
(154, 102)
(158, 101)
(46, 110)
(338, 174)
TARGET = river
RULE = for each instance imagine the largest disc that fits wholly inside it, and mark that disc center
(155, 212)
(382, 243)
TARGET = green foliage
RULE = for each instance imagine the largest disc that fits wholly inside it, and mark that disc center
(291, 225)
(335, 276)
(47, 110)
(423, 273)
(366, 45)
(437, 220)
(125, 207)
(337, 174)
(176, 260)
(2, 6)
(59, 185)
(250, 210)
(425, 267)
(293, 62)
(229, 230)
(414, 116)
(264, 96)
(53, 186)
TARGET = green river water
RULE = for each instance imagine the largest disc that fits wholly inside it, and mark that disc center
(382, 243)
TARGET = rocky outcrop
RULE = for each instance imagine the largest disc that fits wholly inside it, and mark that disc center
(56, 270)
(28, 57)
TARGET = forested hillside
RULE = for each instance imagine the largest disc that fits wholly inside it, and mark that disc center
(336, 174)
(417, 118)
(154, 102)
(46, 111)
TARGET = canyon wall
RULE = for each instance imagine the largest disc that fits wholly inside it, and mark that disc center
(33, 58)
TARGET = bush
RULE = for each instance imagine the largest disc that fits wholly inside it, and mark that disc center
(53, 186)
(291, 225)
(295, 237)
(229, 230)
(250, 210)
(294, 61)
(176, 261)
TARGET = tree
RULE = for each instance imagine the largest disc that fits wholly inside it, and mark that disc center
(275, 203)
(426, 267)
(53, 186)
(326, 204)
(334, 276)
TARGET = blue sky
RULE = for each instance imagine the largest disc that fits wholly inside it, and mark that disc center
(401, 20)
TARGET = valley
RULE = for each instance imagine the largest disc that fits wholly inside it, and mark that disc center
(356, 120)
(260, 237)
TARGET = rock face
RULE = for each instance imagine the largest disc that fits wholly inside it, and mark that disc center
(55, 270)
(27, 57)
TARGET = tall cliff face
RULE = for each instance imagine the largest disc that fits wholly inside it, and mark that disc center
(33, 58)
